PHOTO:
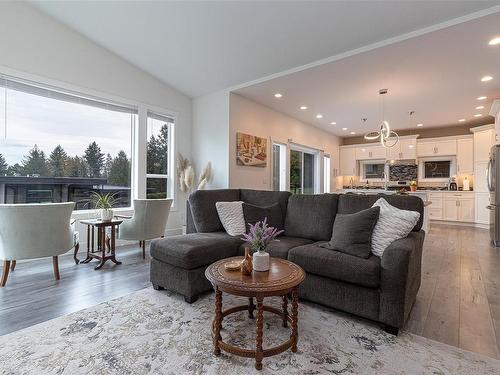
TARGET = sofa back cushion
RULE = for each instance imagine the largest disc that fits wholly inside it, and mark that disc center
(351, 203)
(204, 213)
(266, 198)
(311, 216)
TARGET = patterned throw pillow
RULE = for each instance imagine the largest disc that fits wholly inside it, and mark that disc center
(393, 224)
(231, 217)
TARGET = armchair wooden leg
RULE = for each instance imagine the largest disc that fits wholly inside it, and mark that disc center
(5, 273)
(13, 266)
(55, 262)
(144, 249)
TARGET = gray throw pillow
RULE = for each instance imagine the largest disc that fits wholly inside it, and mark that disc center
(253, 214)
(352, 233)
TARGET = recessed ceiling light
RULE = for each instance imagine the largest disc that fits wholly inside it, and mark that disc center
(480, 107)
(420, 125)
(319, 115)
(486, 78)
(477, 115)
(303, 107)
(278, 95)
(461, 120)
(333, 123)
(353, 133)
(495, 41)
(481, 97)
(344, 129)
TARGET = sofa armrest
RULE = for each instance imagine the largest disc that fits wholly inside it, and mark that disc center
(400, 277)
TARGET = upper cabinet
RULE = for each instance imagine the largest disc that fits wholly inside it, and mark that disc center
(465, 155)
(406, 148)
(348, 161)
(484, 138)
(371, 152)
(435, 147)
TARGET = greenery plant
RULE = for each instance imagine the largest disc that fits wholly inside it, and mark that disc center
(103, 201)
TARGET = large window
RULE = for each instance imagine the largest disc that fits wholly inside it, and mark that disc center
(160, 143)
(57, 146)
(302, 172)
(373, 170)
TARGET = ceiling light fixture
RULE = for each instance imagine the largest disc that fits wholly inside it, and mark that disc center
(303, 107)
(333, 123)
(388, 137)
(278, 95)
(420, 125)
(477, 115)
(352, 133)
(486, 78)
(495, 41)
(319, 115)
(344, 129)
(480, 107)
(482, 98)
(461, 120)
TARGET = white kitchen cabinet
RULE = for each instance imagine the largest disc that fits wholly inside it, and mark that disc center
(482, 214)
(404, 149)
(436, 207)
(483, 140)
(465, 155)
(450, 209)
(435, 147)
(458, 207)
(348, 161)
(370, 153)
(480, 184)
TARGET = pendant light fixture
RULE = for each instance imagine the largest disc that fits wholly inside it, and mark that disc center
(388, 137)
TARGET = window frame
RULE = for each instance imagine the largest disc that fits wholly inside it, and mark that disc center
(139, 132)
(316, 166)
(327, 173)
(171, 172)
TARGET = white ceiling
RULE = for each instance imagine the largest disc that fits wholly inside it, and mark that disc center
(437, 75)
(202, 47)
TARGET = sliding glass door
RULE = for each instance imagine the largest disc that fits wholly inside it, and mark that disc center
(302, 172)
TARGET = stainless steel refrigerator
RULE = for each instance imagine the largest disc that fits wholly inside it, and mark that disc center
(493, 181)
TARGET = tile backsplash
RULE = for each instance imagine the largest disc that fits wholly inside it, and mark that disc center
(402, 172)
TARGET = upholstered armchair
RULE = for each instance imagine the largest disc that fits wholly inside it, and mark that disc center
(29, 231)
(149, 221)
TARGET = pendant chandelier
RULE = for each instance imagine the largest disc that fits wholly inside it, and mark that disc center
(388, 137)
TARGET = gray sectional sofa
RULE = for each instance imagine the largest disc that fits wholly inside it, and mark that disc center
(380, 289)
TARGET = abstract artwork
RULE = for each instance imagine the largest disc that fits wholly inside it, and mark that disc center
(251, 150)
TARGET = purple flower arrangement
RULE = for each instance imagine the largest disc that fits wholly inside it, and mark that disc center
(260, 235)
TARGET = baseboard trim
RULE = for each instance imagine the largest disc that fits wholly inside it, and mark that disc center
(460, 224)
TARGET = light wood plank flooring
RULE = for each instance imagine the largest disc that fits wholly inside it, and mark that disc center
(458, 303)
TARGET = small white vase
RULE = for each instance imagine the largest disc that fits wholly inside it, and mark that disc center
(260, 261)
(106, 214)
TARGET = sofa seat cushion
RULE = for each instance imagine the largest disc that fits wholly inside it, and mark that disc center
(195, 250)
(336, 265)
(280, 249)
(311, 216)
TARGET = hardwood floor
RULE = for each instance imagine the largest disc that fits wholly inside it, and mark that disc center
(458, 302)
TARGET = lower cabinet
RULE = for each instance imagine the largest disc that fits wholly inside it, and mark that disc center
(482, 213)
(459, 207)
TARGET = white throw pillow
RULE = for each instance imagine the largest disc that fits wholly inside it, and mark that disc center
(393, 224)
(231, 216)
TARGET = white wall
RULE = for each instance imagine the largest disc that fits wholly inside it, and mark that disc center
(33, 43)
(211, 136)
(252, 118)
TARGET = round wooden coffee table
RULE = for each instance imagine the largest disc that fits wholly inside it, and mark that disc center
(282, 279)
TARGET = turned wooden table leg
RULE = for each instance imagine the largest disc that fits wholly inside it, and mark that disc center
(259, 354)
(55, 263)
(251, 307)
(75, 257)
(295, 319)
(285, 311)
(217, 321)
(13, 266)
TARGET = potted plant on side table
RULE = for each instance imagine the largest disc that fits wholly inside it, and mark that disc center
(413, 185)
(259, 236)
(104, 203)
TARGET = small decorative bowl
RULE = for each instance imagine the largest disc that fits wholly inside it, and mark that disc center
(232, 266)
